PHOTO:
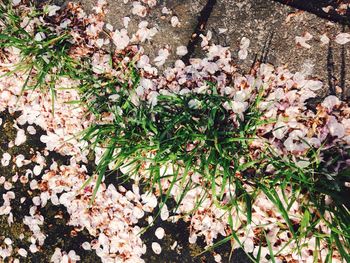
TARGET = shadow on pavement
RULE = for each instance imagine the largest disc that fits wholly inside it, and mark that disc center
(316, 7)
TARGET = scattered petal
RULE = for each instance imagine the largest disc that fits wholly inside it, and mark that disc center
(156, 248)
(342, 38)
(160, 233)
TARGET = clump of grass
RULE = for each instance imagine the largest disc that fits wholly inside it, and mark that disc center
(195, 133)
(44, 47)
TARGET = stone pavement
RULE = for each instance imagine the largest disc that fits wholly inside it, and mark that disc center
(270, 26)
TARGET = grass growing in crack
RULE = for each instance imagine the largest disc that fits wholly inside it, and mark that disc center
(194, 133)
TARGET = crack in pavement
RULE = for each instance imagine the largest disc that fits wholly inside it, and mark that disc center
(199, 29)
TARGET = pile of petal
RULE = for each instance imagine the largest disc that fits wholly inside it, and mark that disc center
(114, 215)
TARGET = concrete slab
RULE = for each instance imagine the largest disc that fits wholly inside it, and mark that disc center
(272, 28)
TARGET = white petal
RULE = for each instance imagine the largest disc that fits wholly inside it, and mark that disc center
(86, 246)
(138, 212)
(126, 21)
(52, 9)
(324, 39)
(181, 50)
(33, 248)
(336, 129)
(313, 85)
(160, 233)
(121, 39)
(16, 2)
(193, 238)
(156, 248)
(302, 40)
(280, 130)
(139, 9)
(20, 138)
(164, 213)
(6, 157)
(330, 101)
(245, 42)
(342, 38)
(37, 169)
(217, 258)
(175, 21)
(22, 252)
(242, 54)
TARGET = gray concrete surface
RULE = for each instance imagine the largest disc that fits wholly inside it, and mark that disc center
(270, 26)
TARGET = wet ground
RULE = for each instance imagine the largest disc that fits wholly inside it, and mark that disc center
(60, 235)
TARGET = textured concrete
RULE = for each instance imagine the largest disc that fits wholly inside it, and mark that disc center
(272, 28)
(172, 37)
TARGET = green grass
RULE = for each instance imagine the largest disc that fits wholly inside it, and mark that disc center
(43, 60)
(165, 130)
(174, 134)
